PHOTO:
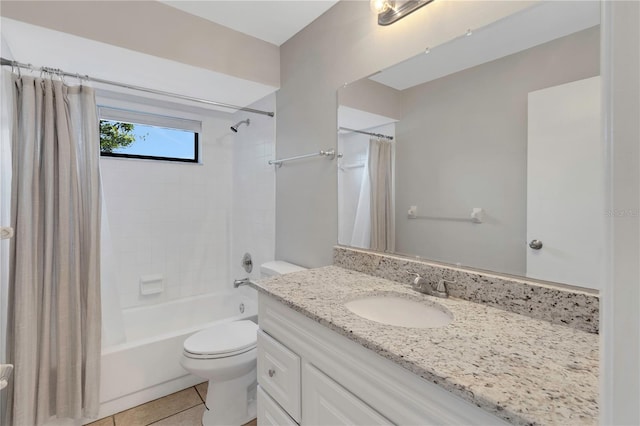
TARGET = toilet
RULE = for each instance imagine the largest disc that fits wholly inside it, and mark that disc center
(225, 355)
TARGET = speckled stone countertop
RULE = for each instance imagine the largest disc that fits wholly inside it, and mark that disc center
(523, 370)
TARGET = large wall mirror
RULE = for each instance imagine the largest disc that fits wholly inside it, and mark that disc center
(485, 152)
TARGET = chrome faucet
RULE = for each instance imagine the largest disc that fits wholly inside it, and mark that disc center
(438, 289)
(243, 281)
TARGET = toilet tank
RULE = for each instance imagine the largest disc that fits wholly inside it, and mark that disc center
(278, 267)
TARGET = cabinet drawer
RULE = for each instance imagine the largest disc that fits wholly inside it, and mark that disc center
(270, 413)
(279, 373)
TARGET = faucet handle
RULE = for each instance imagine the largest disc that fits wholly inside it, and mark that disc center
(418, 281)
(413, 273)
(442, 289)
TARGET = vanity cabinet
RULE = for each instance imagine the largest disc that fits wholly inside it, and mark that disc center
(311, 375)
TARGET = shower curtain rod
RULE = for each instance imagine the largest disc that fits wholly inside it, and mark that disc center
(8, 62)
(378, 135)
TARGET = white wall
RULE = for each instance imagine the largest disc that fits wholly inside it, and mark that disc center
(354, 148)
(253, 189)
(166, 218)
(173, 219)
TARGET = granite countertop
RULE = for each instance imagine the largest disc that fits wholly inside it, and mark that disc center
(523, 370)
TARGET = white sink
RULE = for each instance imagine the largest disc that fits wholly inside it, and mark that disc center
(393, 310)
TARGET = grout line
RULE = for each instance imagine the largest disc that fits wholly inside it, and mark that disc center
(174, 414)
(112, 417)
(148, 402)
(201, 398)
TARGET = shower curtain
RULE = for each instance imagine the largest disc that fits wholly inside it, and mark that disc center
(383, 235)
(54, 282)
(374, 225)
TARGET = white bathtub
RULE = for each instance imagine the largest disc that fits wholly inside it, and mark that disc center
(147, 365)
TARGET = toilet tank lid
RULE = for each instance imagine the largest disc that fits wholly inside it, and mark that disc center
(279, 267)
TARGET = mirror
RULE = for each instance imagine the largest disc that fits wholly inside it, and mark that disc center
(484, 152)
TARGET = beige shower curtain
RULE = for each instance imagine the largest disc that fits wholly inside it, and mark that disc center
(54, 282)
(383, 230)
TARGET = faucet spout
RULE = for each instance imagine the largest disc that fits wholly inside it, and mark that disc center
(238, 283)
(438, 289)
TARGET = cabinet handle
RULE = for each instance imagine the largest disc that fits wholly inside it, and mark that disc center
(535, 244)
(272, 372)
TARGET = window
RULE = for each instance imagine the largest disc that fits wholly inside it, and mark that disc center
(133, 134)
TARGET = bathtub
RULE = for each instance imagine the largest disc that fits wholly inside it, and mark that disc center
(147, 365)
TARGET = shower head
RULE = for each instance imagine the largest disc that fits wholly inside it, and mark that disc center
(235, 128)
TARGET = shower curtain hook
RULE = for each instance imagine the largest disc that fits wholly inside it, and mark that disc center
(14, 68)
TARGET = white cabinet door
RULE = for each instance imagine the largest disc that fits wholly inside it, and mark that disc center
(565, 184)
(270, 413)
(325, 402)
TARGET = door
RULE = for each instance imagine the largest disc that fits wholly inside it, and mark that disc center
(565, 184)
(325, 402)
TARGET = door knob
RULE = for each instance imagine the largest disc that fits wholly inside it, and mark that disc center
(535, 244)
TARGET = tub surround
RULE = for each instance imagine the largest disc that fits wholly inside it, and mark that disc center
(521, 369)
(558, 305)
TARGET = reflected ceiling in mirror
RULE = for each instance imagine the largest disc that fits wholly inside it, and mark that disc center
(496, 142)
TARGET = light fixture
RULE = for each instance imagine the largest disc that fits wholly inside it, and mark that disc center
(380, 6)
(389, 11)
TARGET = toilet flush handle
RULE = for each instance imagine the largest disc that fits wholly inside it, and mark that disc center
(272, 372)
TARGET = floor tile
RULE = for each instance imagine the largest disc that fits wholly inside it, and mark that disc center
(190, 417)
(202, 390)
(159, 409)
(253, 422)
(107, 421)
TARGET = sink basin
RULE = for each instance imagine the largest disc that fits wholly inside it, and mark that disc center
(393, 310)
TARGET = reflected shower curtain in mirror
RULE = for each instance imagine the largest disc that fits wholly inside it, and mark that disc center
(361, 234)
(54, 282)
(383, 235)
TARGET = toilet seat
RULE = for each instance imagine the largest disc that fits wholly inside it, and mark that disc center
(222, 341)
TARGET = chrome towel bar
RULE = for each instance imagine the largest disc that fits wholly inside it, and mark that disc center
(330, 154)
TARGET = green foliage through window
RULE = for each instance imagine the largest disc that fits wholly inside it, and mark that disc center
(115, 135)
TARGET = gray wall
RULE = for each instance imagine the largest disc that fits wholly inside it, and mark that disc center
(462, 143)
(343, 45)
(371, 96)
(156, 29)
(620, 370)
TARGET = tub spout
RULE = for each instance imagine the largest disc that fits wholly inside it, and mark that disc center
(238, 283)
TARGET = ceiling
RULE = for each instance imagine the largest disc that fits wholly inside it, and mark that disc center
(272, 21)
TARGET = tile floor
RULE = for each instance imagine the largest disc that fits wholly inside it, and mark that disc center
(184, 408)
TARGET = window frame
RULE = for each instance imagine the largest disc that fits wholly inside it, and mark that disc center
(121, 115)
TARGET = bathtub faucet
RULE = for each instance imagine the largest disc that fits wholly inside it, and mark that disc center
(238, 283)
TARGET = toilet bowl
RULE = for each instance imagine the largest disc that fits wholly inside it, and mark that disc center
(225, 355)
